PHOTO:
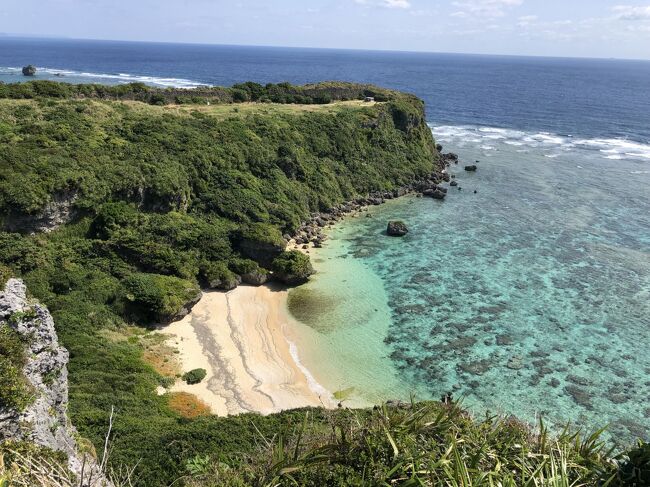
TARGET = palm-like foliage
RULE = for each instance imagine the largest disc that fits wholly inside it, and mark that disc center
(422, 444)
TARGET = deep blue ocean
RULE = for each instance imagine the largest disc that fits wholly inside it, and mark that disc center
(593, 98)
(526, 292)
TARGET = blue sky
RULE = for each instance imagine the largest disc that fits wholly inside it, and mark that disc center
(591, 28)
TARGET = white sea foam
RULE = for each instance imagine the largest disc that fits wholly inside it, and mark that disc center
(112, 78)
(607, 148)
(314, 385)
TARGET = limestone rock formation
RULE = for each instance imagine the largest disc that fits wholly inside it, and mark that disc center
(45, 421)
(255, 277)
(58, 211)
(260, 251)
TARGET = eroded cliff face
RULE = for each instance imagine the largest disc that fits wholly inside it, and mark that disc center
(44, 421)
(58, 211)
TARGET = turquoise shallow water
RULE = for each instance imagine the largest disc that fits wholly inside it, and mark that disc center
(530, 296)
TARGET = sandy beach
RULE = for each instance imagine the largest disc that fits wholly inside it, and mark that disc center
(243, 339)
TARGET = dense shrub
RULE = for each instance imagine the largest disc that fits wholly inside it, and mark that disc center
(427, 444)
(217, 275)
(292, 267)
(194, 376)
(5, 274)
(158, 298)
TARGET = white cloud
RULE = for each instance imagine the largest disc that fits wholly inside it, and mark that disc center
(397, 3)
(526, 20)
(405, 4)
(484, 8)
(626, 12)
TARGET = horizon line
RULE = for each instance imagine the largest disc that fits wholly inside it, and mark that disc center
(403, 51)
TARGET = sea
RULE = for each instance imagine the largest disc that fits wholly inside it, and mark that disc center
(526, 291)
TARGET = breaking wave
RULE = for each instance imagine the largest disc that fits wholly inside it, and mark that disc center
(608, 148)
(88, 77)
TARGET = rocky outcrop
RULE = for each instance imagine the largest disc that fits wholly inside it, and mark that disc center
(58, 211)
(29, 70)
(292, 268)
(45, 421)
(396, 229)
(255, 277)
(449, 158)
(311, 231)
(195, 297)
(262, 252)
(437, 193)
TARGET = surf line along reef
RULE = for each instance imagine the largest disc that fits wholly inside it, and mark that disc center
(121, 203)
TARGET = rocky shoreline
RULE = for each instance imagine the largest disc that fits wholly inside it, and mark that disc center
(311, 232)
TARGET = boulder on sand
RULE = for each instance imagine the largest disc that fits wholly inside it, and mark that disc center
(396, 229)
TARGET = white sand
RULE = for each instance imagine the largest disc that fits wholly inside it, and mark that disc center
(243, 340)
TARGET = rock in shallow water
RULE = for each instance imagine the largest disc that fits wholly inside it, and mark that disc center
(396, 228)
(435, 193)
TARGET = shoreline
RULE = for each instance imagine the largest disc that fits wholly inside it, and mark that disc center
(247, 340)
(244, 341)
(310, 233)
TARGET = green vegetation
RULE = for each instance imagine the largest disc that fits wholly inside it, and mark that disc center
(159, 298)
(421, 444)
(282, 93)
(14, 389)
(26, 464)
(635, 469)
(158, 201)
(194, 376)
(292, 267)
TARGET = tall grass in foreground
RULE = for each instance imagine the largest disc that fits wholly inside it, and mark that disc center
(24, 464)
(425, 444)
(418, 444)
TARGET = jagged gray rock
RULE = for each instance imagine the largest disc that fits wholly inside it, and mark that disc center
(45, 421)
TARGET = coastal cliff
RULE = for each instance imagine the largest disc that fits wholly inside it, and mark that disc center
(42, 418)
(118, 205)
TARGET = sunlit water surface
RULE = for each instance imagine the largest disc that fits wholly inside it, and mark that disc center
(530, 296)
